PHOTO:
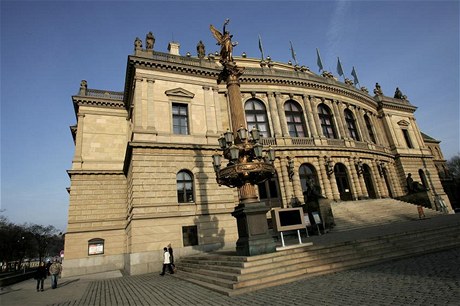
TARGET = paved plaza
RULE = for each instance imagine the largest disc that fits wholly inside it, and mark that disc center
(432, 279)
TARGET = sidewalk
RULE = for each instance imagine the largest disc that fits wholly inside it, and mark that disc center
(69, 289)
(423, 280)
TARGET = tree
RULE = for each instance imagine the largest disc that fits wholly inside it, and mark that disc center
(453, 166)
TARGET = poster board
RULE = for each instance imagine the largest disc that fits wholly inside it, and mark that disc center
(288, 219)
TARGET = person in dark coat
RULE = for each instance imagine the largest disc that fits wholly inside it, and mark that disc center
(170, 250)
(40, 276)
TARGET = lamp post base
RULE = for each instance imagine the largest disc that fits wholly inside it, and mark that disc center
(254, 238)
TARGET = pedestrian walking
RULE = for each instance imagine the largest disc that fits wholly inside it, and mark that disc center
(171, 254)
(55, 271)
(166, 262)
(40, 276)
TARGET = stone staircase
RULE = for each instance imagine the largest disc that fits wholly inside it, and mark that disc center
(352, 215)
(229, 274)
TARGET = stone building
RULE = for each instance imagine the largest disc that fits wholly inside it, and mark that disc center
(142, 174)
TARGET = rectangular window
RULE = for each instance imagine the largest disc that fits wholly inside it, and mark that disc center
(407, 138)
(190, 235)
(180, 118)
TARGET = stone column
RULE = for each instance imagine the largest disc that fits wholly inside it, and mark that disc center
(77, 162)
(337, 118)
(390, 127)
(286, 182)
(416, 130)
(211, 128)
(324, 179)
(296, 183)
(378, 179)
(137, 103)
(394, 180)
(217, 109)
(311, 120)
(355, 183)
(274, 114)
(378, 133)
(335, 188)
(360, 124)
(282, 115)
(150, 109)
(314, 108)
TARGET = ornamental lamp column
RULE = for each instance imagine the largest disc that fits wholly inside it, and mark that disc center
(246, 167)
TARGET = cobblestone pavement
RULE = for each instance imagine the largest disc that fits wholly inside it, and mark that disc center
(432, 279)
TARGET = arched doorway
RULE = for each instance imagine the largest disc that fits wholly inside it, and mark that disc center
(341, 176)
(367, 175)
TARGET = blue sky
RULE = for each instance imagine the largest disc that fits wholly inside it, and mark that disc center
(47, 48)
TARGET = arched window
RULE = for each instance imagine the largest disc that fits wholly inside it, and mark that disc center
(184, 180)
(369, 128)
(308, 176)
(295, 119)
(351, 124)
(325, 118)
(256, 115)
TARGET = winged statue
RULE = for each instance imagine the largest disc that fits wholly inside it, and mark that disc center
(225, 42)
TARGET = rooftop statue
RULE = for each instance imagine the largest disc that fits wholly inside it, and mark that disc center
(150, 41)
(200, 49)
(378, 89)
(225, 42)
(137, 44)
(399, 94)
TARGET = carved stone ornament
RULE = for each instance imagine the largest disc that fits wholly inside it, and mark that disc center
(200, 49)
(349, 82)
(403, 123)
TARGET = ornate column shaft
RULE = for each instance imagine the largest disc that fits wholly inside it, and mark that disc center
(326, 183)
(317, 123)
(282, 115)
(311, 120)
(338, 122)
(356, 186)
(296, 183)
(274, 114)
(360, 125)
(286, 182)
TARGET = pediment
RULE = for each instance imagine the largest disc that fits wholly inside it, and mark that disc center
(403, 123)
(180, 92)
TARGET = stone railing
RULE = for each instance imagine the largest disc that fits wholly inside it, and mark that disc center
(268, 141)
(336, 142)
(302, 141)
(114, 95)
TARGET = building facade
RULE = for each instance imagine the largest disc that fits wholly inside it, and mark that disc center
(142, 174)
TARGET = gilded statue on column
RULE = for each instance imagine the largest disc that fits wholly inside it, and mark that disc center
(225, 41)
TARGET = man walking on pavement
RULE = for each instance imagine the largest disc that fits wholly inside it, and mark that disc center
(55, 270)
(166, 262)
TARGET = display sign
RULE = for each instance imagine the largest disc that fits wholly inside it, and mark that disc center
(316, 217)
(96, 246)
(94, 249)
(307, 220)
(287, 219)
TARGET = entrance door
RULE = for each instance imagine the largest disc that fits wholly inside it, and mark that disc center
(343, 185)
(367, 175)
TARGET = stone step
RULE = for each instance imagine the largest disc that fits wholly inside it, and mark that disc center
(251, 273)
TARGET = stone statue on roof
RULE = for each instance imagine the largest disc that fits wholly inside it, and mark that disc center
(200, 49)
(378, 89)
(150, 41)
(137, 44)
(399, 94)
